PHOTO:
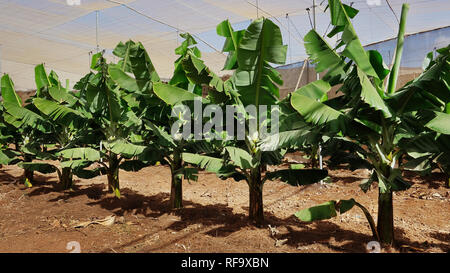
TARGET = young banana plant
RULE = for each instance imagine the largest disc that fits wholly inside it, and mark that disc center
(8, 135)
(173, 145)
(429, 145)
(68, 128)
(139, 81)
(245, 156)
(72, 128)
(179, 97)
(116, 122)
(363, 114)
(31, 128)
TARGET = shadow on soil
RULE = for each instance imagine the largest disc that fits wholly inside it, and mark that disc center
(45, 185)
(6, 178)
(219, 220)
(38, 180)
(434, 180)
(407, 245)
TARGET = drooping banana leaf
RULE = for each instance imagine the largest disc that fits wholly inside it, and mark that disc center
(323, 56)
(323, 211)
(122, 147)
(59, 113)
(441, 123)
(173, 95)
(75, 164)
(8, 157)
(44, 168)
(62, 95)
(87, 154)
(208, 163)
(241, 158)
(331, 209)
(214, 165)
(316, 90)
(120, 77)
(318, 113)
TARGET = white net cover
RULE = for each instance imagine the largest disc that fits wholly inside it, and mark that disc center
(63, 33)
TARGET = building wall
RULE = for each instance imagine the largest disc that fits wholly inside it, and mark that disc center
(416, 47)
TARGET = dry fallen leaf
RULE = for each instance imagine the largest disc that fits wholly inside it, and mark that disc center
(279, 243)
(273, 231)
(108, 221)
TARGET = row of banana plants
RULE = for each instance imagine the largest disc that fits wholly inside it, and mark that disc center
(121, 116)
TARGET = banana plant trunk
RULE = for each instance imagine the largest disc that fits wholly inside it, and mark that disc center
(113, 175)
(176, 189)
(385, 226)
(66, 178)
(28, 174)
(314, 157)
(256, 210)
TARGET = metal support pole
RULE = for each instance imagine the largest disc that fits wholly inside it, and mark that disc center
(289, 37)
(314, 14)
(257, 9)
(301, 74)
(89, 59)
(96, 31)
(317, 78)
(320, 158)
(314, 26)
(101, 149)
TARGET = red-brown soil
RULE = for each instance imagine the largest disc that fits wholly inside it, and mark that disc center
(214, 219)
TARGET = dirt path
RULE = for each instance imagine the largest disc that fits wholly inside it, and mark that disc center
(214, 219)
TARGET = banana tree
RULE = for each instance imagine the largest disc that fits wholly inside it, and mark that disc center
(428, 147)
(366, 113)
(32, 129)
(72, 128)
(153, 102)
(53, 106)
(136, 76)
(191, 75)
(116, 122)
(172, 145)
(8, 136)
(253, 84)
